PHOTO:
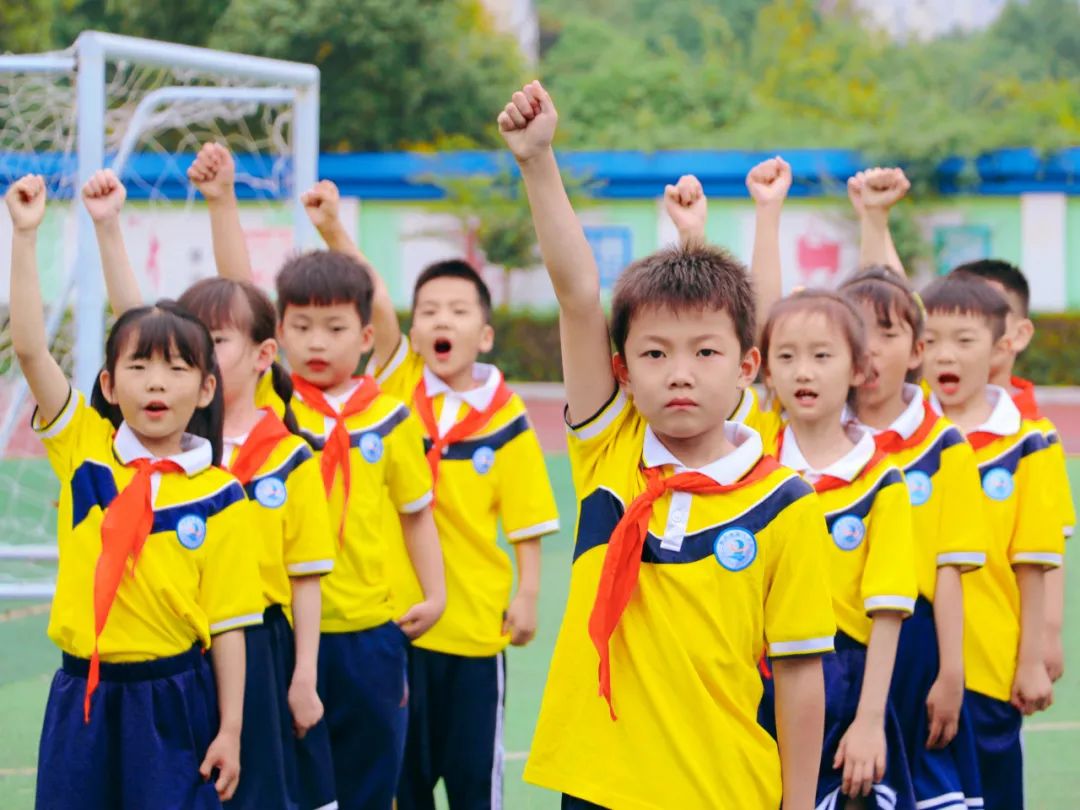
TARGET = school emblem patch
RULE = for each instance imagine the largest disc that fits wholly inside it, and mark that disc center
(270, 492)
(371, 447)
(191, 531)
(848, 532)
(735, 549)
(483, 459)
(998, 483)
(919, 487)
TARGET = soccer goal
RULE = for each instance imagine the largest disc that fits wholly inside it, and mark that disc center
(142, 108)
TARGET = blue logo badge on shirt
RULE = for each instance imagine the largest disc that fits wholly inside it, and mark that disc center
(191, 531)
(998, 483)
(270, 492)
(919, 487)
(483, 459)
(735, 549)
(371, 447)
(848, 532)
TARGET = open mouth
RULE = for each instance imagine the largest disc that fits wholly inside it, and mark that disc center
(871, 378)
(949, 383)
(156, 409)
(804, 396)
(442, 348)
(317, 365)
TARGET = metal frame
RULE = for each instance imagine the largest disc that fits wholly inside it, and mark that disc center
(88, 58)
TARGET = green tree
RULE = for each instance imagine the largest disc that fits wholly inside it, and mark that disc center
(189, 22)
(394, 72)
(24, 25)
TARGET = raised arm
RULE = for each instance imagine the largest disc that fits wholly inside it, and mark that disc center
(26, 202)
(688, 207)
(872, 193)
(104, 195)
(322, 204)
(528, 125)
(214, 174)
(768, 184)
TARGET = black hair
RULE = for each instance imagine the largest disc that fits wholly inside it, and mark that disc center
(323, 278)
(966, 294)
(889, 293)
(165, 328)
(455, 268)
(1006, 274)
(222, 302)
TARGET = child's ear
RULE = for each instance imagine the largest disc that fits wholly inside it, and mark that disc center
(206, 392)
(748, 368)
(107, 386)
(487, 338)
(367, 338)
(1022, 335)
(1002, 352)
(918, 350)
(267, 352)
(618, 367)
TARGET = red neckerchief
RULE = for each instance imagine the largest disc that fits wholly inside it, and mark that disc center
(622, 559)
(889, 441)
(473, 422)
(124, 529)
(335, 453)
(260, 443)
(1024, 398)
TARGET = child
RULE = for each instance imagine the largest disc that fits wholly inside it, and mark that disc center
(151, 560)
(1010, 281)
(294, 544)
(489, 468)
(950, 539)
(370, 451)
(814, 350)
(732, 566)
(1005, 673)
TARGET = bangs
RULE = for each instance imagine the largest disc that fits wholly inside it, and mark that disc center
(150, 331)
(219, 303)
(968, 295)
(888, 301)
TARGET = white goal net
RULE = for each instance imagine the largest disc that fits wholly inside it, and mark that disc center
(142, 108)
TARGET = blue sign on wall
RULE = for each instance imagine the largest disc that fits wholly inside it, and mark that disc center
(612, 247)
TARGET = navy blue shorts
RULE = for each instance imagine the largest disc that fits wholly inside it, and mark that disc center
(844, 670)
(455, 734)
(1000, 750)
(150, 725)
(362, 684)
(944, 779)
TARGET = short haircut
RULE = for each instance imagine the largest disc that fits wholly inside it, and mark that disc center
(324, 278)
(695, 277)
(1006, 274)
(837, 309)
(455, 268)
(964, 294)
(888, 294)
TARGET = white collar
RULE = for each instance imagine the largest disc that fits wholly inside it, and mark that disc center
(725, 470)
(912, 416)
(846, 468)
(746, 405)
(477, 398)
(1004, 419)
(196, 454)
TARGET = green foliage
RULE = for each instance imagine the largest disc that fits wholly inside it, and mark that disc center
(24, 25)
(394, 72)
(1053, 358)
(189, 22)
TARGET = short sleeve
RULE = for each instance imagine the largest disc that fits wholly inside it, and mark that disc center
(593, 441)
(798, 606)
(309, 540)
(408, 475)
(768, 422)
(963, 533)
(1062, 488)
(230, 588)
(401, 373)
(76, 427)
(1037, 537)
(526, 503)
(888, 581)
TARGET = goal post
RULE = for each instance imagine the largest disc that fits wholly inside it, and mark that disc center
(142, 108)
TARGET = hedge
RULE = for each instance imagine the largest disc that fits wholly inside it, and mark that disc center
(527, 348)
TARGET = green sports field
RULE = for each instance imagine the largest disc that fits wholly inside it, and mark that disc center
(27, 661)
